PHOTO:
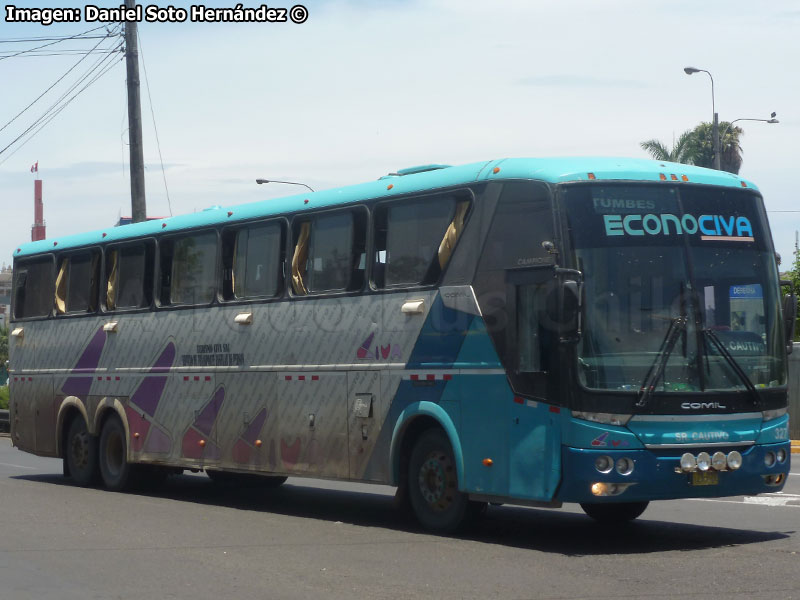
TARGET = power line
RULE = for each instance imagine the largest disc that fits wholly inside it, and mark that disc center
(153, 115)
(50, 88)
(59, 53)
(72, 37)
(54, 114)
(47, 39)
(44, 116)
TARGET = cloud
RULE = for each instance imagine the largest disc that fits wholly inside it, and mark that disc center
(580, 81)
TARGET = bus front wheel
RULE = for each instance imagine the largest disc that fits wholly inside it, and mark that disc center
(617, 512)
(80, 453)
(433, 484)
(114, 467)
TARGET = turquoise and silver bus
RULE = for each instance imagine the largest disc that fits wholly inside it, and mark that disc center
(599, 331)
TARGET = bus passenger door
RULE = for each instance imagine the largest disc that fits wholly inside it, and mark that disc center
(364, 417)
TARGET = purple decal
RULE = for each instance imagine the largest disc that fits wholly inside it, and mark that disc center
(251, 433)
(211, 451)
(157, 442)
(206, 419)
(164, 362)
(87, 363)
(600, 440)
(365, 347)
(148, 394)
(90, 358)
(77, 386)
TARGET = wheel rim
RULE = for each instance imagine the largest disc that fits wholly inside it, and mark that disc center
(115, 453)
(79, 450)
(436, 482)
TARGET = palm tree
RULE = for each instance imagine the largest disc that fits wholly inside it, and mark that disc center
(702, 147)
(680, 152)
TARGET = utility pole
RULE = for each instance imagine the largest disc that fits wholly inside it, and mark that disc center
(715, 143)
(138, 205)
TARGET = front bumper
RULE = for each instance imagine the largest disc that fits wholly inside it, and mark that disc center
(654, 476)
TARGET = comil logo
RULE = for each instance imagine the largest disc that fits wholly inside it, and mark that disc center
(710, 227)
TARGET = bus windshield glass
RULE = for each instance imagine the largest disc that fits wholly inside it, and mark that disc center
(679, 281)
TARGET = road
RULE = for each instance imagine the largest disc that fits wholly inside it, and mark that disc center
(311, 539)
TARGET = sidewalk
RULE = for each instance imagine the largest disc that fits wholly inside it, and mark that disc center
(795, 447)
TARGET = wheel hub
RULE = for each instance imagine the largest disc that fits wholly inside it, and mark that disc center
(80, 450)
(434, 481)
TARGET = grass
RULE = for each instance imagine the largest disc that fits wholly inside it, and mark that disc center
(4, 397)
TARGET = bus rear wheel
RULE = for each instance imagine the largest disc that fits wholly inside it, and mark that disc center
(433, 484)
(80, 453)
(616, 512)
(116, 471)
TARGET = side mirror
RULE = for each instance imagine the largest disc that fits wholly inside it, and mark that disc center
(789, 319)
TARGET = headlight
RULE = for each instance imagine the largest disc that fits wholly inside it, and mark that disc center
(769, 415)
(604, 464)
(604, 418)
(688, 462)
(703, 461)
(718, 461)
(624, 466)
(769, 459)
(781, 455)
(734, 460)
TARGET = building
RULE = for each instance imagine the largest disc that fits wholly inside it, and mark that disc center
(5, 295)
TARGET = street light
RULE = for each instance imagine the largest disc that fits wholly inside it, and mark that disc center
(771, 121)
(260, 181)
(715, 126)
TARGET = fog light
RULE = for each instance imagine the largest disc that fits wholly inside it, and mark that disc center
(718, 461)
(703, 461)
(624, 466)
(688, 462)
(769, 459)
(604, 464)
(781, 455)
(599, 489)
(734, 460)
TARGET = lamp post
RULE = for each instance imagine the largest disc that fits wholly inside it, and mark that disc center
(770, 121)
(715, 126)
(260, 181)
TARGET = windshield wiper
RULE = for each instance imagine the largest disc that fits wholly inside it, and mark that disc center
(735, 366)
(676, 327)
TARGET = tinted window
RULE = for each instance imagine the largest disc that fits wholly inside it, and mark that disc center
(188, 269)
(257, 261)
(81, 282)
(129, 272)
(330, 254)
(33, 288)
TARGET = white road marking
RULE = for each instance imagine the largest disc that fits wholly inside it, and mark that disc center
(18, 466)
(776, 499)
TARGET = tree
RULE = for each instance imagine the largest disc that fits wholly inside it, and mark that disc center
(794, 277)
(696, 147)
(680, 152)
(701, 146)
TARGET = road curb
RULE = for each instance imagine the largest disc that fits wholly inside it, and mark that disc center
(795, 447)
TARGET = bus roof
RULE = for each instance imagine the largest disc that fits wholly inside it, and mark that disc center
(405, 181)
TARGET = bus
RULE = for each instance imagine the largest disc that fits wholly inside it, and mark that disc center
(599, 331)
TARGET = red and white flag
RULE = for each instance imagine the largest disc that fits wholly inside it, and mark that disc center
(35, 167)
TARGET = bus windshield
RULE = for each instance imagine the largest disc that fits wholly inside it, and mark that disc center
(680, 281)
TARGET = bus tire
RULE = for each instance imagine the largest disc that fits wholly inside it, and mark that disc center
(615, 512)
(116, 471)
(246, 479)
(80, 454)
(433, 484)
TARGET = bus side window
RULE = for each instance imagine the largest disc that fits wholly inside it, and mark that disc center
(188, 266)
(330, 253)
(33, 288)
(252, 259)
(77, 283)
(129, 276)
(414, 240)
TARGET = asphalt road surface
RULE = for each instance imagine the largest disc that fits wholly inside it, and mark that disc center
(314, 539)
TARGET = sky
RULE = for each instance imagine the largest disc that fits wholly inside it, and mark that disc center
(363, 88)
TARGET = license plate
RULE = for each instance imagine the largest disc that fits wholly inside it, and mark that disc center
(705, 478)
